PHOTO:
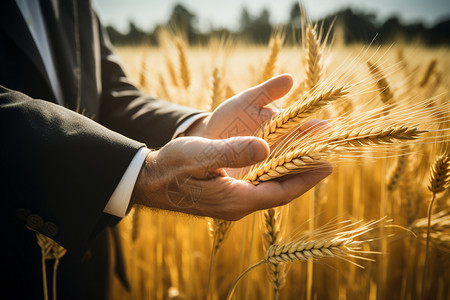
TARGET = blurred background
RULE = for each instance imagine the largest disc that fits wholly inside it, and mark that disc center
(200, 53)
(138, 21)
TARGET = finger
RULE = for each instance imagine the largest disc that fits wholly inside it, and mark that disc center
(272, 89)
(275, 193)
(235, 153)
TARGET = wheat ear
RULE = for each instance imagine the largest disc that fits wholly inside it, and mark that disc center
(326, 241)
(275, 45)
(229, 92)
(364, 136)
(142, 75)
(303, 157)
(183, 65)
(386, 94)
(216, 89)
(289, 163)
(323, 242)
(313, 63)
(135, 221)
(282, 123)
(398, 171)
(402, 60)
(219, 229)
(172, 72)
(438, 182)
(277, 271)
(163, 92)
(428, 73)
(440, 174)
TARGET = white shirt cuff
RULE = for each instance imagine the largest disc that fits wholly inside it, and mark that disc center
(187, 123)
(120, 199)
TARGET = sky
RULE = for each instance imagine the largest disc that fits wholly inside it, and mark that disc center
(226, 13)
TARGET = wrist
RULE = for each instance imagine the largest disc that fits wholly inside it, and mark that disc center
(198, 127)
(147, 182)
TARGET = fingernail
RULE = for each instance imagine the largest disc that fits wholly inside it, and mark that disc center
(258, 151)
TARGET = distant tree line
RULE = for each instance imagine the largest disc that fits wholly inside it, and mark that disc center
(354, 26)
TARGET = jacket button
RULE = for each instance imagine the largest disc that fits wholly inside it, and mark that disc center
(23, 213)
(50, 229)
(35, 222)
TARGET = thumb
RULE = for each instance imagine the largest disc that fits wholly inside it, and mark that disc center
(237, 152)
(272, 89)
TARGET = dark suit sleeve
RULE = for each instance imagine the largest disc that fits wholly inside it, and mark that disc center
(126, 110)
(57, 165)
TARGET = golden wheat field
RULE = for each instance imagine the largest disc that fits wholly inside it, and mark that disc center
(359, 234)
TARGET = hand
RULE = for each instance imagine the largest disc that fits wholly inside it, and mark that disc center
(243, 114)
(187, 175)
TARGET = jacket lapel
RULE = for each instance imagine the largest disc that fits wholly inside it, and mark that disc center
(14, 25)
(62, 27)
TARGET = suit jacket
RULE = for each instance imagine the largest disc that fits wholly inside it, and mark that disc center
(57, 167)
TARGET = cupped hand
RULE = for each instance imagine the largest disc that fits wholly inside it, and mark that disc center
(188, 175)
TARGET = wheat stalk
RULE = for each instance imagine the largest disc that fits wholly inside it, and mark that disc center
(57, 252)
(46, 247)
(277, 271)
(49, 250)
(313, 64)
(282, 123)
(438, 182)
